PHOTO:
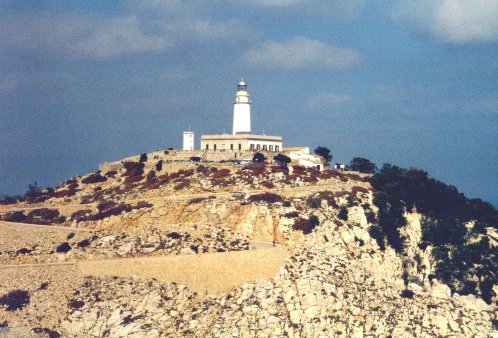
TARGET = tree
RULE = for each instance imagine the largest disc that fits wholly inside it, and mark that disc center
(282, 159)
(143, 158)
(33, 192)
(325, 153)
(258, 157)
(362, 165)
(159, 165)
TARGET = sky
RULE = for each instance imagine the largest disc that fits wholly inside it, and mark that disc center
(408, 82)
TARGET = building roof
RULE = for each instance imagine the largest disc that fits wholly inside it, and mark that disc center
(241, 137)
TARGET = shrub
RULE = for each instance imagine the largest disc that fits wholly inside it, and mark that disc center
(327, 174)
(258, 157)
(76, 304)
(310, 179)
(298, 169)
(407, 294)
(280, 169)
(354, 177)
(143, 158)
(111, 173)
(16, 216)
(221, 173)
(133, 168)
(202, 169)
(362, 165)
(44, 213)
(268, 184)
(182, 184)
(343, 214)
(306, 225)
(329, 197)
(162, 179)
(133, 179)
(93, 178)
(292, 214)
(195, 159)
(377, 233)
(159, 165)
(313, 202)
(15, 300)
(282, 159)
(80, 215)
(357, 189)
(199, 200)
(63, 248)
(286, 203)
(64, 193)
(113, 211)
(5, 200)
(151, 177)
(84, 243)
(142, 204)
(186, 173)
(106, 205)
(23, 251)
(266, 197)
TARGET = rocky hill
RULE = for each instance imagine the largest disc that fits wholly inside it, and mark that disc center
(340, 278)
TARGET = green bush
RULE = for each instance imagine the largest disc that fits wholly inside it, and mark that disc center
(343, 214)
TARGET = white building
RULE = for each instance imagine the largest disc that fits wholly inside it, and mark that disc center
(188, 140)
(301, 156)
(241, 139)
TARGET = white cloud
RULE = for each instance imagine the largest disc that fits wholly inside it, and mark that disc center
(300, 53)
(276, 3)
(456, 21)
(338, 9)
(79, 35)
(121, 36)
(327, 100)
(99, 36)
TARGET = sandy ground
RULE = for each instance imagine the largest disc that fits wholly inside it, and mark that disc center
(205, 273)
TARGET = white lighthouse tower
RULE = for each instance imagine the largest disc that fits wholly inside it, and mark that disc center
(242, 110)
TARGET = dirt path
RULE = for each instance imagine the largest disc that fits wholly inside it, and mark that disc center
(210, 273)
(206, 273)
(42, 227)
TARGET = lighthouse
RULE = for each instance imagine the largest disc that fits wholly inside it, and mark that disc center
(241, 143)
(242, 110)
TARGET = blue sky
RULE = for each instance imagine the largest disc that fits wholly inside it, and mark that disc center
(408, 82)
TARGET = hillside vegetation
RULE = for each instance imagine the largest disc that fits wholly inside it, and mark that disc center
(455, 226)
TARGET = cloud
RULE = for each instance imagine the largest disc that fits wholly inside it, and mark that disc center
(121, 36)
(327, 100)
(455, 21)
(98, 36)
(276, 3)
(338, 9)
(72, 35)
(300, 53)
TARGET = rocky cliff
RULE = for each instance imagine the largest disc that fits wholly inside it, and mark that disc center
(336, 282)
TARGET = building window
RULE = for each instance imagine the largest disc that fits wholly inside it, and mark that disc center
(276, 148)
(240, 146)
(264, 146)
(214, 147)
(207, 146)
(271, 147)
(251, 146)
(258, 147)
(231, 146)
